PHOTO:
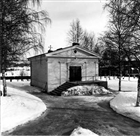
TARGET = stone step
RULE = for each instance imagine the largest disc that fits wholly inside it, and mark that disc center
(62, 88)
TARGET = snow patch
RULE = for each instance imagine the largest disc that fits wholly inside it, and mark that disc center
(124, 103)
(18, 108)
(79, 131)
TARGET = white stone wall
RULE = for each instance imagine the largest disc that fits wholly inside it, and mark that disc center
(58, 70)
(92, 69)
(49, 73)
(39, 72)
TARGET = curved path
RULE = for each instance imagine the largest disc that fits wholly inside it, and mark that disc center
(63, 114)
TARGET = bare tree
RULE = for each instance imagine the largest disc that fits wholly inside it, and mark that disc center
(118, 35)
(19, 31)
(88, 41)
(76, 34)
(125, 30)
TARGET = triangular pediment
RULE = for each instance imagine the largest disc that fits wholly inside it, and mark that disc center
(73, 51)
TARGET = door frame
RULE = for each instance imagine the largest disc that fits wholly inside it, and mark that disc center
(79, 78)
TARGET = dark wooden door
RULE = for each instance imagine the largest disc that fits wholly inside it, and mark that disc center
(75, 73)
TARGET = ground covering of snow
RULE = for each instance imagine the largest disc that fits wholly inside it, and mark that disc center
(127, 84)
(18, 108)
(79, 131)
(124, 103)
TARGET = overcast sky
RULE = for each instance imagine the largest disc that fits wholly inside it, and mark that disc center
(90, 13)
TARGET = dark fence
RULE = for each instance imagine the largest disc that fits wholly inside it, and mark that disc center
(16, 78)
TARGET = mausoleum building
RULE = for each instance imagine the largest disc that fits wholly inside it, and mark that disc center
(70, 64)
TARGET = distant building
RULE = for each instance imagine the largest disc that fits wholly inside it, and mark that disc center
(14, 68)
(74, 63)
(18, 71)
(128, 69)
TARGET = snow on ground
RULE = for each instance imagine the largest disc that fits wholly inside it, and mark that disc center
(21, 107)
(126, 84)
(18, 108)
(79, 131)
(124, 103)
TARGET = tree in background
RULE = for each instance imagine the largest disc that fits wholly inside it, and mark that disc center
(133, 23)
(100, 46)
(88, 40)
(124, 31)
(19, 26)
(118, 34)
(76, 34)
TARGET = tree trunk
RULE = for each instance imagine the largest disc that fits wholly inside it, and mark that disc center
(129, 77)
(138, 93)
(4, 83)
(120, 83)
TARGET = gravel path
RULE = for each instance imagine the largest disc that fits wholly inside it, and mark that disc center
(63, 114)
